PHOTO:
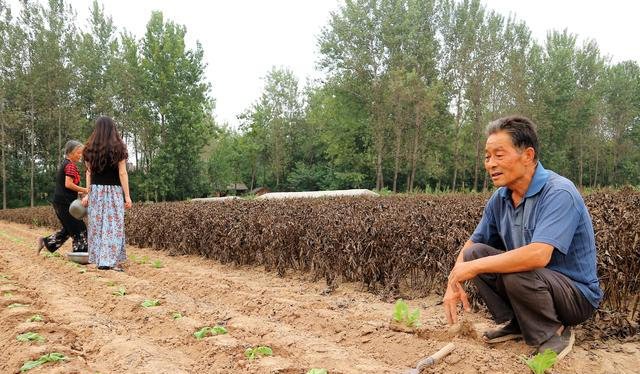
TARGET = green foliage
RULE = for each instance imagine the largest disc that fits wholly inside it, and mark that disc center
(176, 315)
(35, 318)
(7, 294)
(150, 303)
(212, 331)
(111, 283)
(157, 264)
(402, 315)
(30, 337)
(50, 357)
(257, 352)
(48, 254)
(120, 292)
(541, 361)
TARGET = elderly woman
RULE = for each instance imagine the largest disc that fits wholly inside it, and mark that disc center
(67, 189)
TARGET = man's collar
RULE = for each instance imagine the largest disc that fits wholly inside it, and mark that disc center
(538, 181)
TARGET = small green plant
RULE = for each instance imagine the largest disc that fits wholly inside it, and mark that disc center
(140, 260)
(317, 371)
(30, 337)
(541, 361)
(111, 283)
(261, 351)
(17, 305)
(215, 330)
(402, 315)
(35, 318)
(52, 255)
(82, 270)
(120, 292)
(176, 315)
(150, 303)
(157, 264)
(8, 294)
(2, 276)
(51, 357)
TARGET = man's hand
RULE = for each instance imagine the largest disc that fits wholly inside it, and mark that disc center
(462, 271)
(454, 293)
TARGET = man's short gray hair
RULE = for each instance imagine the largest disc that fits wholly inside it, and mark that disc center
(521, 129)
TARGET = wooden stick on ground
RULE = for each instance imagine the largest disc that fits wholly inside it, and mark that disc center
(431, 360)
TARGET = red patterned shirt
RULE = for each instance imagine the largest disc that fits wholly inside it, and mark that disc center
(71, 170)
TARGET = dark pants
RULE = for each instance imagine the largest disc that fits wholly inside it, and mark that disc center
(71, 227)
(540, 301)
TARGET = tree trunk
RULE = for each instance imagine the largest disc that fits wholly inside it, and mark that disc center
(32, 140)
(4, 167)
(456, 151)
(396, 156)
(414, 153)
(594, 183)
(60, 151)
(580, 163)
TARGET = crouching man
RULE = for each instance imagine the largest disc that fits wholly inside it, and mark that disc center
(533, 254)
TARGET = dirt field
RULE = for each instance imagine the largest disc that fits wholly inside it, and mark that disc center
(346, 332)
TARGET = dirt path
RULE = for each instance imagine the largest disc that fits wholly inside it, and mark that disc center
(346, 332)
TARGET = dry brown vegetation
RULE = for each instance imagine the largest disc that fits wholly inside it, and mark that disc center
(393, 245)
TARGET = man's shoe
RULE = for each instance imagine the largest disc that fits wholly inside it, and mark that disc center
(560, 344)
(39, 245)
(509, 331)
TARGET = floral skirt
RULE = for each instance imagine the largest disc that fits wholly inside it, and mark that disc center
(105, 231)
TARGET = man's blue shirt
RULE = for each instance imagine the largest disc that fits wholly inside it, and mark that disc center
(551, 212)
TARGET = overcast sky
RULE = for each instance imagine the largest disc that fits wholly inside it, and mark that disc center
(243, 39)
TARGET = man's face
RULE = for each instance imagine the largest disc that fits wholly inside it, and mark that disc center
(505, 164)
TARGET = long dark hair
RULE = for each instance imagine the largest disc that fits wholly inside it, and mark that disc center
(105, 146)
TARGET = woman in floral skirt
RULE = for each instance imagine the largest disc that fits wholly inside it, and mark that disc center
(105, 156)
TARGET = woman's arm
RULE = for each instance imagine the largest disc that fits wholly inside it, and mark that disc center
(68, 183)
(124, 182)
(85, 199)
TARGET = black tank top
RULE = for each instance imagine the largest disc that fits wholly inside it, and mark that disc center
(109, 176)
(62, 194)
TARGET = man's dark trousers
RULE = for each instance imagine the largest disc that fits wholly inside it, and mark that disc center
(541, 300)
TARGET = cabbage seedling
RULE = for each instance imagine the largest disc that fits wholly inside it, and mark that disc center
(157, 264)
(35, 318)
(215, 330)
(542, 361)
(401, 314)
(120, 292)
(8, 294)
(30, 337)
(261, 351)
(176, 315)
(51, 357)
(17, 305)
(149, 303)
(317, 371)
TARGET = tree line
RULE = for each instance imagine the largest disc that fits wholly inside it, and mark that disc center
(407, 89)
